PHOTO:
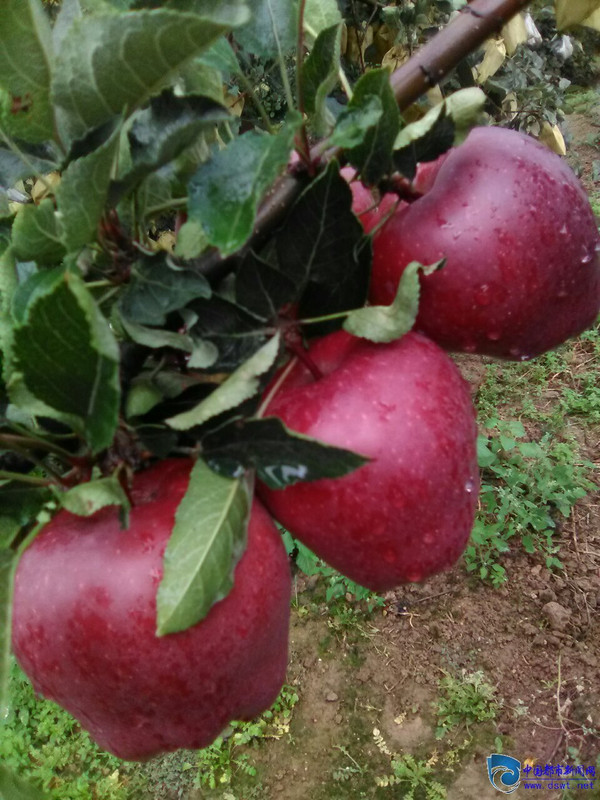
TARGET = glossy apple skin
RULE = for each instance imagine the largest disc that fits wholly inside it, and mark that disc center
(364, 204)
(84, 626)
(522, 274)
(407, 513)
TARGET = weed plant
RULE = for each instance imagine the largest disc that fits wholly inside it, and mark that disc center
(526, 486)
(41, 742)
(226, 757)
(464, 700)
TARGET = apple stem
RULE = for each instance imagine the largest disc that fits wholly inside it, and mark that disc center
(402, 187)
(304, 357)
(381, 222)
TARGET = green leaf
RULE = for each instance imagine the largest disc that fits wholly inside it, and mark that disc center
(163, 130)
(157, 337)
(35, 285)
(13, 788)
(69, 11)
(191, 240)
(374, 156)
(156, 289)
(281, 457)
(142, 397)
(8, 563)
(82, 192)
(485, 456)
(464, 108)
(386, 323)
(321, 237)
(572, 12)
(22, 160)
(229, 328)
(320, 75)
(69, 359)
(263, 288)
(225, 192)
(87, 498)
(208, 539)
(115, 63)
(25, 70)
(19, 506)
(221, 56)
(353, 124)
(319, 15)
(35, 234)
(8, 286)
(272, 29)
(441, 128)
(239, 386)
(203, 81)
(203, 355)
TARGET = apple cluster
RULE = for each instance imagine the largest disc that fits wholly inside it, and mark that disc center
(521, 276)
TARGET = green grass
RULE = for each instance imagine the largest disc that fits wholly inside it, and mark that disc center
(415, 777)
(228, 755)
(464, 700)
(42, 743)
(526, 488)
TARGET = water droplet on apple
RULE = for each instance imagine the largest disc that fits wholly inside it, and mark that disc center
(482, 295)
(525, 358)
(493, 336)
(470, 486)
(564, 230)
(587, 257)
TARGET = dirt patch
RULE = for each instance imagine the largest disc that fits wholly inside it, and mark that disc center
(583, 133)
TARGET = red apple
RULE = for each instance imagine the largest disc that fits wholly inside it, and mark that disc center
(408, 513)
(426, 174)
(368, 207)
(85, 617)
(522, 272)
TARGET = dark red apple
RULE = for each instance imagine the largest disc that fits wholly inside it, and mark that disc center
(522, 272)
(408, 513)
(85, 617)
(368, 207)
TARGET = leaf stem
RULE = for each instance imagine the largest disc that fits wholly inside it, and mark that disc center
(6, 475)
(98, 284)
(21, 442)
(324, 318)
(281, 63)
(276, 386)
(249, 89)
(176, 202)
(304, 148)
